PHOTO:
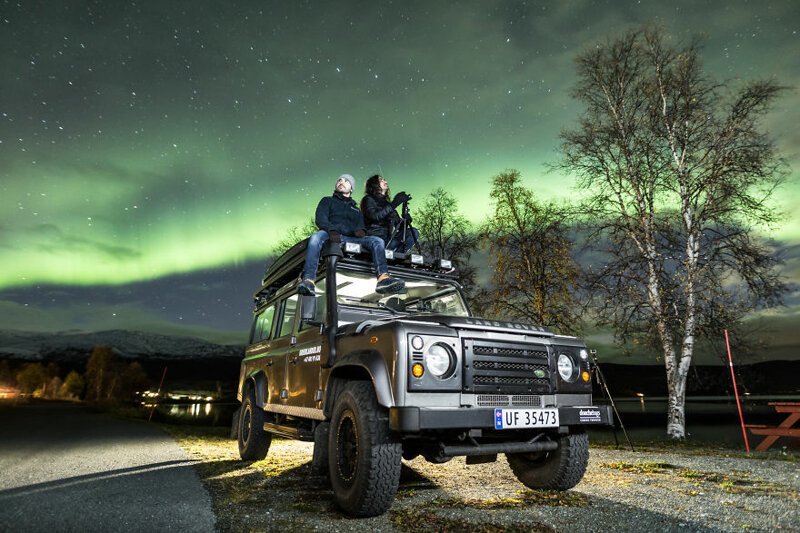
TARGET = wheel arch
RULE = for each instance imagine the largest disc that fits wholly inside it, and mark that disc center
(365, 365)
(257, 380)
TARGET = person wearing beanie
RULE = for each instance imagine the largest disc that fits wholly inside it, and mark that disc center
(340, 220)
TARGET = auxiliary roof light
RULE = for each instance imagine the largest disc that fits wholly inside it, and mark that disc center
(417, 259)
(352, 248)
(445, 264)
(389, 254)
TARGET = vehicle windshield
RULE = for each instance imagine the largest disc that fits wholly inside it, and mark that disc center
(420, 296)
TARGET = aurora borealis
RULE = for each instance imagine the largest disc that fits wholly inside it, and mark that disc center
(147, 142)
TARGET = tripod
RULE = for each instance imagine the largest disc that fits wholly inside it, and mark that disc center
(602, 381)
(406, 228)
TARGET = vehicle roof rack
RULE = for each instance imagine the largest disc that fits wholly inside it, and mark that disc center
(286, 266)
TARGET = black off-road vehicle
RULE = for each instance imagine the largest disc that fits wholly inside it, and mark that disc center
(372, 379)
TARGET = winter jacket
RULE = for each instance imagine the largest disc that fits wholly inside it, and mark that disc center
(339, 213)
(379, 215)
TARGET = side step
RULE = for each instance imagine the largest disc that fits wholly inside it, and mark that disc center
(288, 432)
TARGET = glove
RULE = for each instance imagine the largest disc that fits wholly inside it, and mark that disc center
(400, 198)
(334, 236)
(360, 233)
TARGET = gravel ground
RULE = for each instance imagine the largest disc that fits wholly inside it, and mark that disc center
(661, 490)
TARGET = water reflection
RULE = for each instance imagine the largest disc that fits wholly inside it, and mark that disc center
(188, 407)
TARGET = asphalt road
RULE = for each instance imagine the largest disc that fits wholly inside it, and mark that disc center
(66, 468)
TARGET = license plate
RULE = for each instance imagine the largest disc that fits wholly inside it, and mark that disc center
(525, 418)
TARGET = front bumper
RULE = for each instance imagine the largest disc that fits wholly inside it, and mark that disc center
(413, 419)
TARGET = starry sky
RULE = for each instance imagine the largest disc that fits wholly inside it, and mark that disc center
(151, 153)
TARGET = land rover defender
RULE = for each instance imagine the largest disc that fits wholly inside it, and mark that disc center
(372, 379)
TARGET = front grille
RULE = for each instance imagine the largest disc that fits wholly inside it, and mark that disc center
(498, 365)
(536, 351)
(497, 368)
(506, 400)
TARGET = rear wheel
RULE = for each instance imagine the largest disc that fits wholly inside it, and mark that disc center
(364, 458)
(559, 469)
(253, 440)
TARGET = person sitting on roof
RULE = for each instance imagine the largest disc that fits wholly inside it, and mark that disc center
(379, 210)
(339, 220)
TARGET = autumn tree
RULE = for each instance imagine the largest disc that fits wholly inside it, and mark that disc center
(100, 373)
(31, 378)
(73, 385)
(446, 234)
(678, 173)
(132, 380)
(534, 274)
(293, 235)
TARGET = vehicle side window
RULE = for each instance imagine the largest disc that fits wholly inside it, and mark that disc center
(264, 324)
(287, 319)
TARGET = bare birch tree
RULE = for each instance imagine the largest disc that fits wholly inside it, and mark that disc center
(534, 274)
(446, 234)
(678, 172)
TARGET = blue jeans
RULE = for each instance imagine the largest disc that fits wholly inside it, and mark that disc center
(397, 244)
(318, 240)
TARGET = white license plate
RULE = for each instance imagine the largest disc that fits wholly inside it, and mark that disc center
(525, 418)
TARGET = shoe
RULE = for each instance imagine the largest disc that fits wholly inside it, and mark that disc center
(306, 287)
(389, 285)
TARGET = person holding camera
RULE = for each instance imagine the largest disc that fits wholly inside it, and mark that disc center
(339, 220)
(382, 219)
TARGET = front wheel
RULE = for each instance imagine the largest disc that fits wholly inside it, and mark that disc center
(253, 440)
(363, 456)
(559, 469)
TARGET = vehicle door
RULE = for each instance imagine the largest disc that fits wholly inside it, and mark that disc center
(259, 354)
(282, 345)
(304, 361)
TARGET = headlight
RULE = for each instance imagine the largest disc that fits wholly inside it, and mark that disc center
(440, 360)
(567, 368)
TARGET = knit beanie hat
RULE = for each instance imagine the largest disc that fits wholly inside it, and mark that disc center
(349, 178)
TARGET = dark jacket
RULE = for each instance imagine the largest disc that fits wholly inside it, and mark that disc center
(380, 216)
(339, 213)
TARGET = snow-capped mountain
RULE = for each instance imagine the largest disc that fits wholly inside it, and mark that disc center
(73, 346)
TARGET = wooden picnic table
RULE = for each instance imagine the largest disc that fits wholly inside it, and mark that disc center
(784, 429)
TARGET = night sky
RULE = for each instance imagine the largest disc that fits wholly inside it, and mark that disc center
(151, 153)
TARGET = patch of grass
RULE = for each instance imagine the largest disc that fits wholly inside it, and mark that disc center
(641, 468)
(429, 518)
(731, 483)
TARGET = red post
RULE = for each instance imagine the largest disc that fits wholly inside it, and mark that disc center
(158, 394)
(736, 393)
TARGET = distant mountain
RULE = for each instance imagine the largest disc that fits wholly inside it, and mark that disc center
(71, 346)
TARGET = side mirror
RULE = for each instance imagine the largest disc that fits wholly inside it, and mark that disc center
(308, 311)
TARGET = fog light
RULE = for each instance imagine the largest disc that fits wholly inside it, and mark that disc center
(417, 370)
(585, 375)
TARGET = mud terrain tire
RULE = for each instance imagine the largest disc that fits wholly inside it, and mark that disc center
(364, 457)
(253, 440)
(559, 469)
